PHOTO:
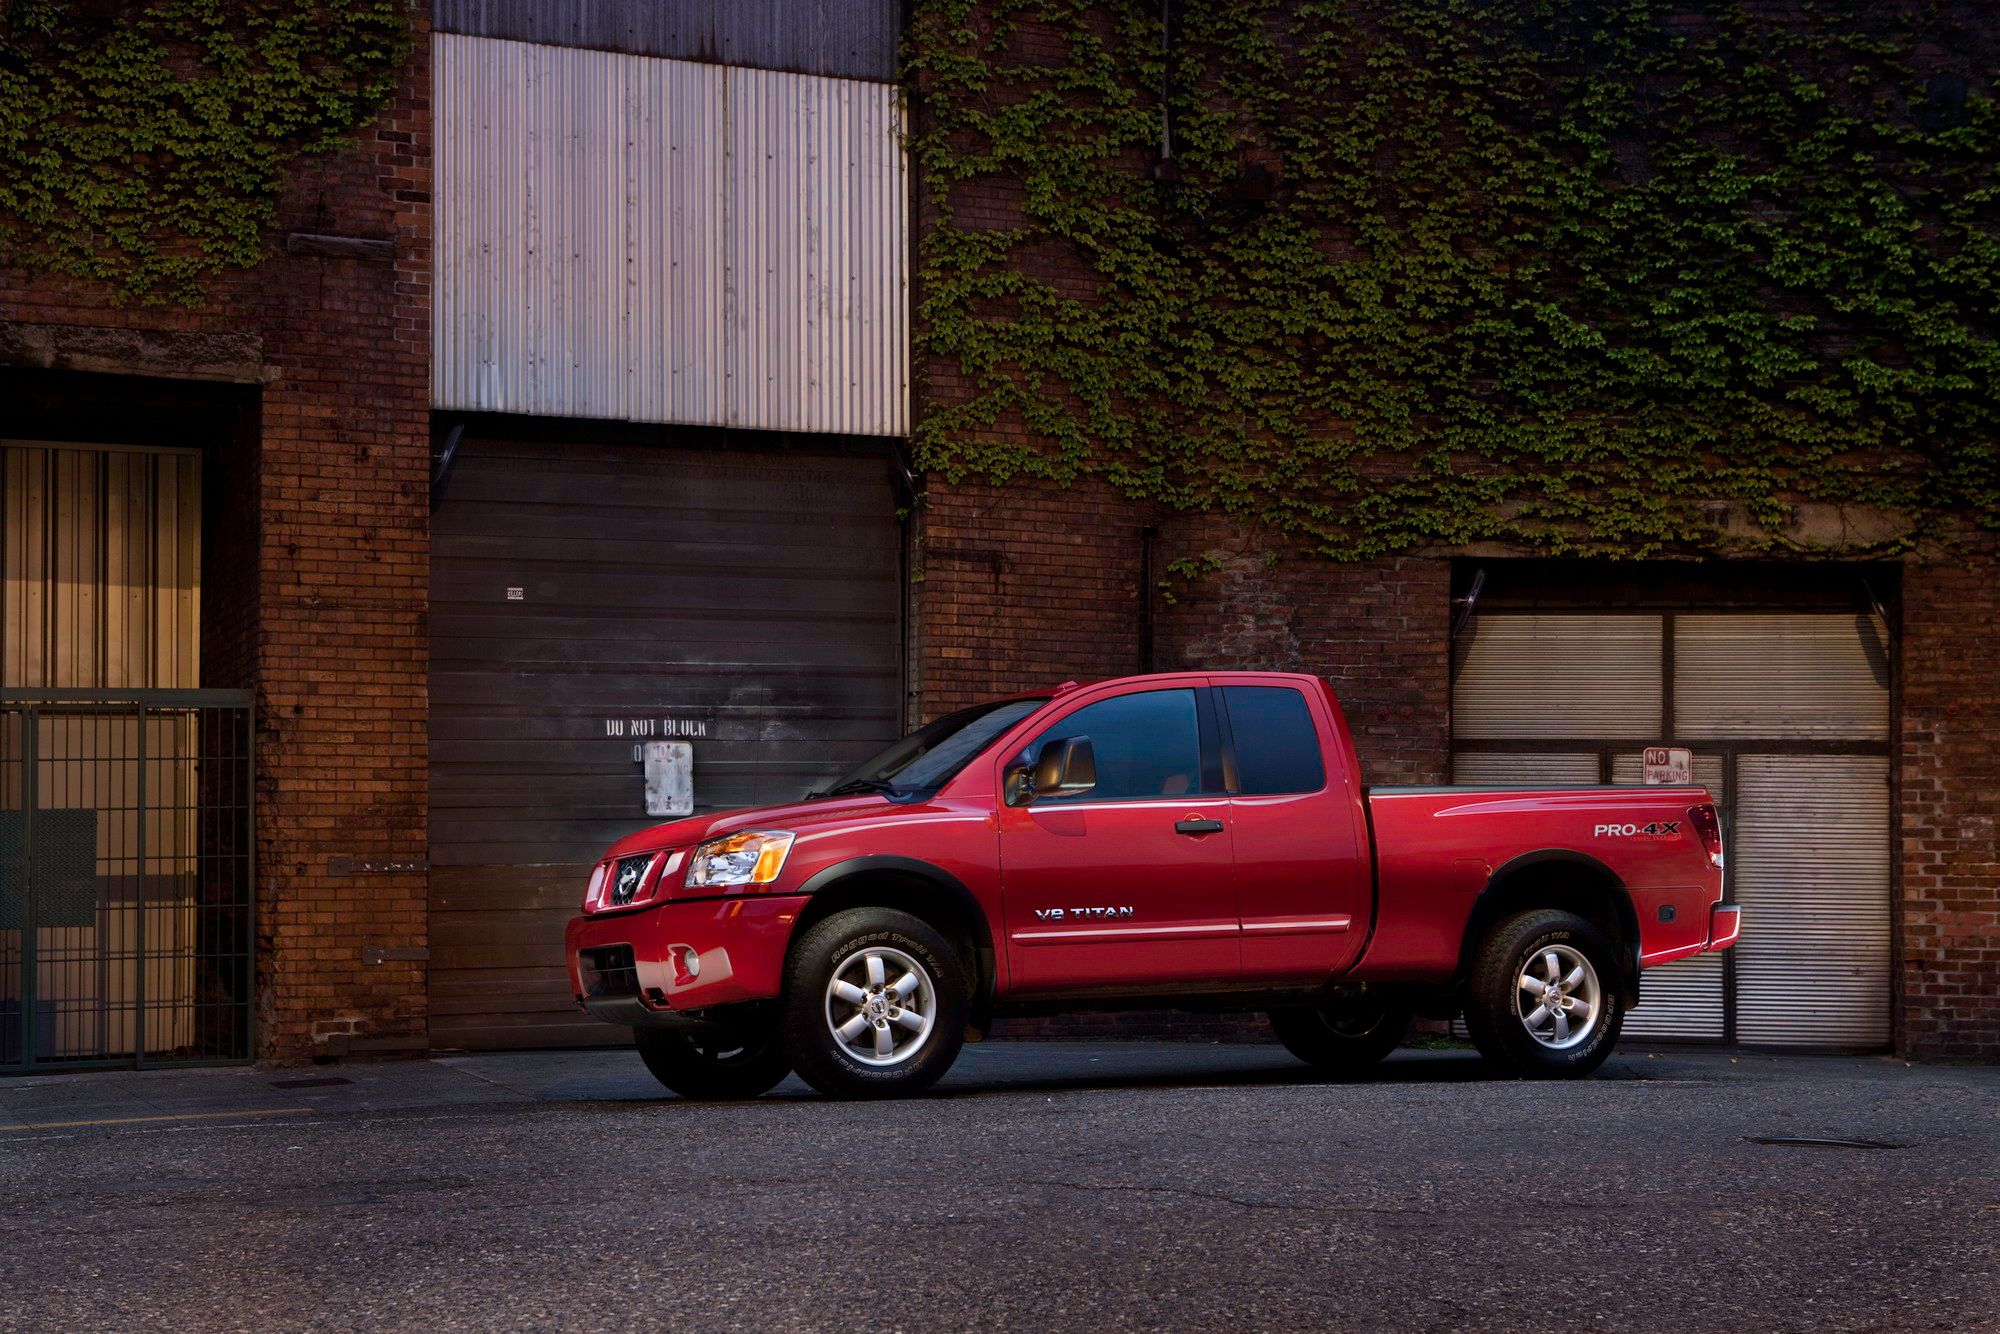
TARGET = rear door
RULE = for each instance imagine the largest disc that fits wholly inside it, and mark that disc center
(1131, 884)
(1302, 858)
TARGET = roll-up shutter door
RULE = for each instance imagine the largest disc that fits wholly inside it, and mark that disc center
(1682, 999)
(1781, 676)
(1812, 873)
(587, 598)
(1557, 676)
(1563, 697)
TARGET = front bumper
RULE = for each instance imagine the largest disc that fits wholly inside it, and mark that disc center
(683, 956)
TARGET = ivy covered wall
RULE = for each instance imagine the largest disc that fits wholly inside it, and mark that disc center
(1630, 278)
(143, 143)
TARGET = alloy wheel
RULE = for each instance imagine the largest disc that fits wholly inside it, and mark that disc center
(881, 1006)
(1558, 997)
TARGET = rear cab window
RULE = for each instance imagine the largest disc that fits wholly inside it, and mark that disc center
(1276, 742)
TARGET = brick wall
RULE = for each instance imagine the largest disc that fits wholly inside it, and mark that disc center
(1949, 807)
(323, 510)
(1378, 630)
(1024, 585)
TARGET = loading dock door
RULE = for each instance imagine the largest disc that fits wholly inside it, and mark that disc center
(588, 598)
(1787, 714)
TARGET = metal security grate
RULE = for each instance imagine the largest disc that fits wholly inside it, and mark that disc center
(127, 873)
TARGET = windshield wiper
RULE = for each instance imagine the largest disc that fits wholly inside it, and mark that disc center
(854, 785)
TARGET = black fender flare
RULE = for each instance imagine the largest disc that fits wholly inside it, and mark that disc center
(1628, 915)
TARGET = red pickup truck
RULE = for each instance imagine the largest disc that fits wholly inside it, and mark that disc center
(1198, 840)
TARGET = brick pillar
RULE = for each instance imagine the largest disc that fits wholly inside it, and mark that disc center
(343, 582)
(1948, 971)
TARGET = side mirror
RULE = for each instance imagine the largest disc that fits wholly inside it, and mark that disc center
(1065, 768)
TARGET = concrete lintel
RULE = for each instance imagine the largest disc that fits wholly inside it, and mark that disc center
(233, 358)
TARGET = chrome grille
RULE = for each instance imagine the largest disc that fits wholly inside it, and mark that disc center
(628, 877)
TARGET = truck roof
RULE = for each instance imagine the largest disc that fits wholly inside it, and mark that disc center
(1248, 673)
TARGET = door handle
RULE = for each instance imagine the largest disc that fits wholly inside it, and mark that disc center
(1197, 826)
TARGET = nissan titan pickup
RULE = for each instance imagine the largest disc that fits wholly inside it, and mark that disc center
(1194, 840)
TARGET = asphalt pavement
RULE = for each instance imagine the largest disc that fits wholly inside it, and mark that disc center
(1049, 1186)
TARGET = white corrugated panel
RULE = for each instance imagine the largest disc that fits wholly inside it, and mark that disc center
(1781, 675)
(1682, 999)
(1490, 769)
(628, 237)
(1811, 853)
(1534, 675)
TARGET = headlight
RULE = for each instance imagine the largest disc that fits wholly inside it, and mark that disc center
(738, 859)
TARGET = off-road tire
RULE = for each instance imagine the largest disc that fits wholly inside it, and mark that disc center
(1498, 1027)
(826, 949)
(715, 1067)
(1345, 1037)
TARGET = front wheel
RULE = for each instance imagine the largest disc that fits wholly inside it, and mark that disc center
(875, 1004)
(714, 1065)
(1345, 1036)
(1542, 1001)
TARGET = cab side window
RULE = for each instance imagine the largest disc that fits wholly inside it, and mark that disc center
(1277, 745)
(1147, 745)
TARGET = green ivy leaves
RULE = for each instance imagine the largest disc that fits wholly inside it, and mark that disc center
(1557, 275)
(146, 148)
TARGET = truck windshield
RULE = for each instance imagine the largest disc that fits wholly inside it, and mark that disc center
(928, 757)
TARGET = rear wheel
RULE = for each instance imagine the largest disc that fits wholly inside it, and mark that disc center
(1344, 1036)
(875, 1004)
(712, 1064)
(1542, 1001)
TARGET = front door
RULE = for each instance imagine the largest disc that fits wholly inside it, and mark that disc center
(1132, 883)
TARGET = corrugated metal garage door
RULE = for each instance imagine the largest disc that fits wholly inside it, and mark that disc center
(1533, 676)
(1794, 676)
(1812, 872)
(1573, 696)
(589, 597)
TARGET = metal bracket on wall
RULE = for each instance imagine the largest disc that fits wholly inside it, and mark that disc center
(913, 488)
(1467, 603)
(1881, 612)
(441, 468)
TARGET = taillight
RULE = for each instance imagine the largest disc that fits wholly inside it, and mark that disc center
(1709, 828)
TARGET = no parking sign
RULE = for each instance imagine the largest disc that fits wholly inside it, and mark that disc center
(1670, 766)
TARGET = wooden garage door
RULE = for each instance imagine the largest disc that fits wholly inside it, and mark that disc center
(589, 597)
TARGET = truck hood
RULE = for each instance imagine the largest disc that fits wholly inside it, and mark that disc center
(797, 816)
